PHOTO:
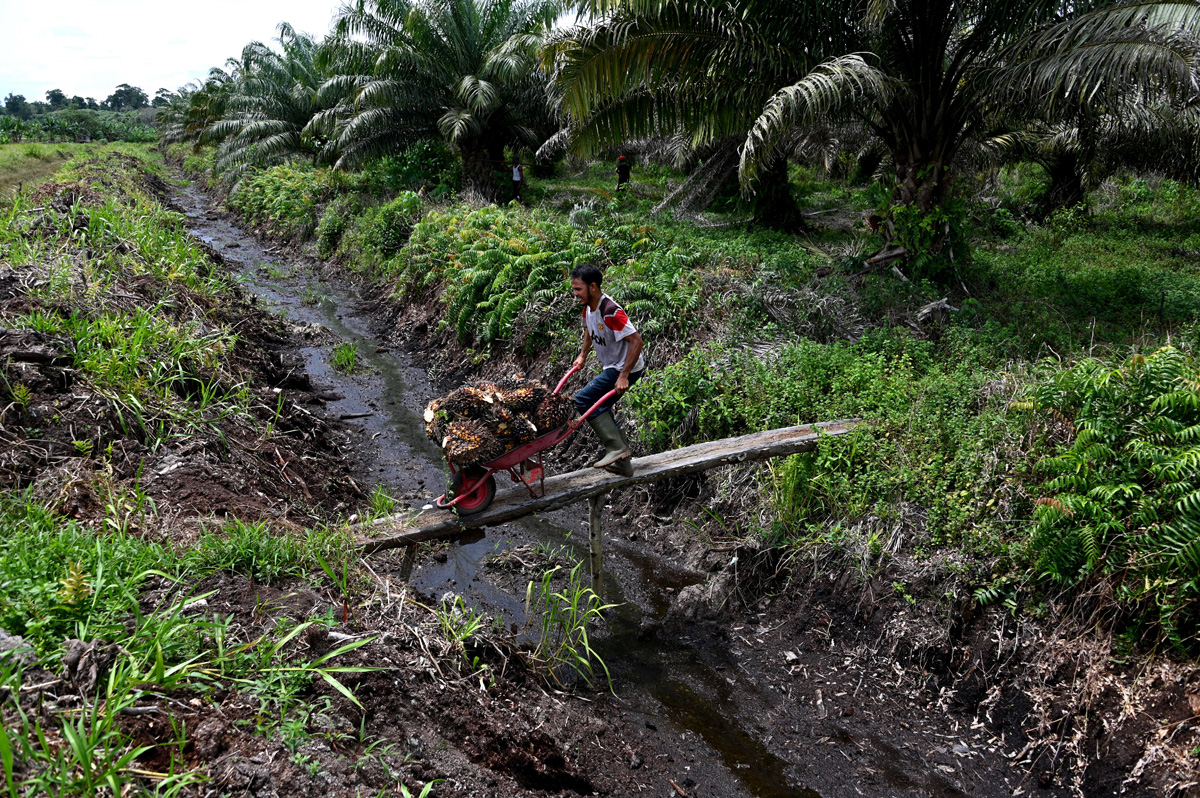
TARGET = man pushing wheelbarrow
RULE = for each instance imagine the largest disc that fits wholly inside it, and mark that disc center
(618, 346)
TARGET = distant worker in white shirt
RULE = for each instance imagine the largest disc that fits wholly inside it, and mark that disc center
(517, 178)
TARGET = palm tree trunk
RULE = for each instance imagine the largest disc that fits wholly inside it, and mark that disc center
(923, 182)
(1066, 172)
(477, 172)
(773, 203)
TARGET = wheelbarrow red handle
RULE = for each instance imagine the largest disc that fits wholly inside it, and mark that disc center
(563, 381)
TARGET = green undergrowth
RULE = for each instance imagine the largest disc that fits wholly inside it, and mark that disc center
(503, 272)
(1080, 475)
(62, 580)
(27, 165)
(1119, 492)
(161, 359)
(284, 199)
(1120, 267)
(373, 208)
(929, 435)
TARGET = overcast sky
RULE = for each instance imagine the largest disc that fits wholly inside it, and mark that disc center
(87, 47)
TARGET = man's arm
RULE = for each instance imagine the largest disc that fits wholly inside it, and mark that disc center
(631, 359)
(587, 347)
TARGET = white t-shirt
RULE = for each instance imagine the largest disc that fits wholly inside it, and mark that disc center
(610, 328)
(516, 174)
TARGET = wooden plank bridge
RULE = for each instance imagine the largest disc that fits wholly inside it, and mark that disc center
(409, 529)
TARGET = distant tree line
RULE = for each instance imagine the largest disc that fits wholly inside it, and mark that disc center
(124, 98)
(125, 115)
(911, 93)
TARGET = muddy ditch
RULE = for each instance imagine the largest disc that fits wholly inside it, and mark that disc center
(728, 679)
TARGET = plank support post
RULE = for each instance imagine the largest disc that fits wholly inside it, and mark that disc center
(595, 540)
(410, 559)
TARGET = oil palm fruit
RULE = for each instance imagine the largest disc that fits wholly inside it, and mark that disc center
(553, 412)
(526, 396)
(469, 442)
(473, 398)
(511, 427)
(457, 404)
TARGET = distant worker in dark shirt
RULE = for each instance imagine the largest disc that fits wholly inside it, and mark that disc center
(622, 173)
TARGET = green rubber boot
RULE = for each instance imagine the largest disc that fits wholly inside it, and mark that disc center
(617, 453)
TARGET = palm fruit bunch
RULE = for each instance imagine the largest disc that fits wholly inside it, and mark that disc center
(521, 394)
(469, 442)
(553, 411)
(510, 427)
(468, 402)
(483, 420)
(435, 420)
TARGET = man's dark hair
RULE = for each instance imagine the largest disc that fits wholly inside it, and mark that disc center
(588, 274)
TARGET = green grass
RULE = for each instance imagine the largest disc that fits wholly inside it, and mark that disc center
(62, 579)
(31, 164)
(345, 357)
(558, 620)
(162, 364)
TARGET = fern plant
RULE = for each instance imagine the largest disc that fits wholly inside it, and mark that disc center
(1122, 499)
(503, 272)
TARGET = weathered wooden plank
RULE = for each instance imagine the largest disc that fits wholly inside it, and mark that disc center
(596, 539)
(564, 489)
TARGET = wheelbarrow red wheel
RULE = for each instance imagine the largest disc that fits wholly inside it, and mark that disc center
(479, 498)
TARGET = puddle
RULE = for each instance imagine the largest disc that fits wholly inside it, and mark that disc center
(667, 681)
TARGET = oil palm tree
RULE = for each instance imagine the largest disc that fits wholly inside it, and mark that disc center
(461, 70)
(924, 76)
(273, 99)
(705, 70)
(198, 105)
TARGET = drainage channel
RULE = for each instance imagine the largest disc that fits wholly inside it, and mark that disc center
(664, 680)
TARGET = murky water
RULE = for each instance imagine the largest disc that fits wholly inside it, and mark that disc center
(668, 681)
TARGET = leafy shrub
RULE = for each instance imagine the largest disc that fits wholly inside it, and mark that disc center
(662, 291)
(928, 440)
(427, 165)
(1022, 189)
(1065, 222)
(199, 163)
(284, 198)
(495, 264)
(1122, 504)
(335, 219)
(384, 230)
(936, 239)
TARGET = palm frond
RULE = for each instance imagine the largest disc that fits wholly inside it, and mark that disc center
(833, 85)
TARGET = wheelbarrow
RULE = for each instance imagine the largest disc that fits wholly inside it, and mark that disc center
(473, 487)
